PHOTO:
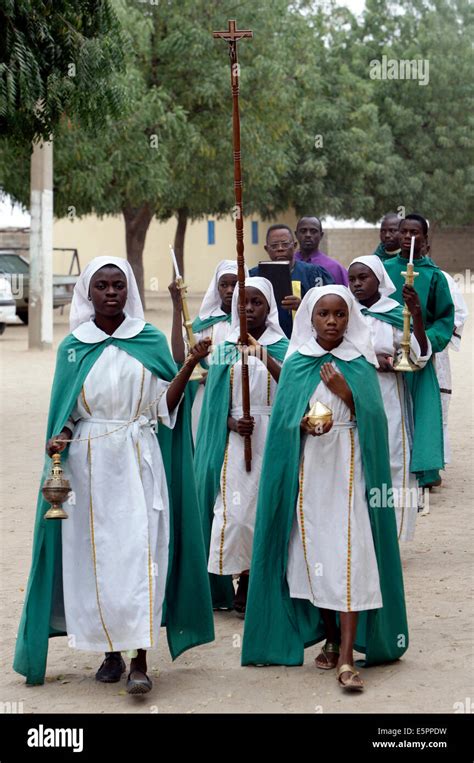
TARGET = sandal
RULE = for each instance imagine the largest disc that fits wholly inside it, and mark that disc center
(329, 648)
(349, 684)
(138, 685)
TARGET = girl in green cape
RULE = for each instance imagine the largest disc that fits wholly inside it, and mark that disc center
(212, 322)
(371, 285)
(131, 551)
(228, 494)
(325, 560)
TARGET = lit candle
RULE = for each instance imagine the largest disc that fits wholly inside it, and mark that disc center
(175, 263)
(412, 250)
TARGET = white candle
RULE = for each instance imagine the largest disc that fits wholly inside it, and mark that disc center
(175, 263)
(412, 250)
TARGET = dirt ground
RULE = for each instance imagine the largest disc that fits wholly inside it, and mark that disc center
(434, 674)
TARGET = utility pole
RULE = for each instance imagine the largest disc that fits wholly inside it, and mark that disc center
(40, 305)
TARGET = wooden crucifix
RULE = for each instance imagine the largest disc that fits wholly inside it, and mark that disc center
(232, 35)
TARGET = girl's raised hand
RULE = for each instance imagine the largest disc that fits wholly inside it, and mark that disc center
(199, 351)
(175, 292)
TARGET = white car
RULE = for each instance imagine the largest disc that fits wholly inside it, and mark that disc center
(7, 304)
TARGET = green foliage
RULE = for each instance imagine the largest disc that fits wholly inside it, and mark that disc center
(318, 134)
(56, 57)
(431, 126)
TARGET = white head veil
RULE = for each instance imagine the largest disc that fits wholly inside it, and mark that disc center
(82, 309)
(273, 332)
(211, 304)
(357, 338)
(386, 287)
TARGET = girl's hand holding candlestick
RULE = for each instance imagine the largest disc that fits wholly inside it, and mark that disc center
(385, 363)
(199, 351)
(175, 291)
(411, 299)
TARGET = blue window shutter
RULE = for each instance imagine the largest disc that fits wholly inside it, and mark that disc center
(254, 232)
(211, 232)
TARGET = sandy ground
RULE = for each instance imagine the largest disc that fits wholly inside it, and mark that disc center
(434, 674)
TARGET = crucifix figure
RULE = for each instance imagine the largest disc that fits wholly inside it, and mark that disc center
(232, 35)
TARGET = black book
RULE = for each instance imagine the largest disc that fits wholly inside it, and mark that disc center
(279, 275)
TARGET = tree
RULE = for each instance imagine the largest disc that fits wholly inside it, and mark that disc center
(431, 124)
(340, 147)
(318, 134)
(170, 151)
(56, 57)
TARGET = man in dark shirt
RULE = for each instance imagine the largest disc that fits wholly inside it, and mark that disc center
(280, 246)
(389, 237)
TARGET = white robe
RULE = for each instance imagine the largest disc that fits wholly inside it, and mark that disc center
(331, 554)
(398, 408)
(236, 504)
(443, 362)
(115, 541)
(218, 332)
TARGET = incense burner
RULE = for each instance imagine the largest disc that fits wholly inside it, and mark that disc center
(319, 414)
(56, 489)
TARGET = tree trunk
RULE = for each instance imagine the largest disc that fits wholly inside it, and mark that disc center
(137, 222)
(179, 239)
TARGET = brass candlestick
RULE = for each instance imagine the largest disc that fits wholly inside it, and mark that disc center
(197, 373)
(404, 362)
(56, 489)
(319, 414)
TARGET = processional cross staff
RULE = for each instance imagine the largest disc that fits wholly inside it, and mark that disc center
(232, 35)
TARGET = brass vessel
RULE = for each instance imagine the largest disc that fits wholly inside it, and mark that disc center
(198, 372)
(56, 489)
(319, 414)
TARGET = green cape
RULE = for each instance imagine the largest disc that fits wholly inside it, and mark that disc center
(436, 303)
(277, 627)
(187, 608)
(382, 253)
(205, 323)
(428, 439)
(211, 442)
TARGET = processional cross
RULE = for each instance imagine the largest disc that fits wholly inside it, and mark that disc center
(232, 35)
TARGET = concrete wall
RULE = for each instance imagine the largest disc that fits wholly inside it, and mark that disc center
(94, 237)
(452, 248)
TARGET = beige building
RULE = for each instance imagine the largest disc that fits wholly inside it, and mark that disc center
(93, 237)
(451, 248)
